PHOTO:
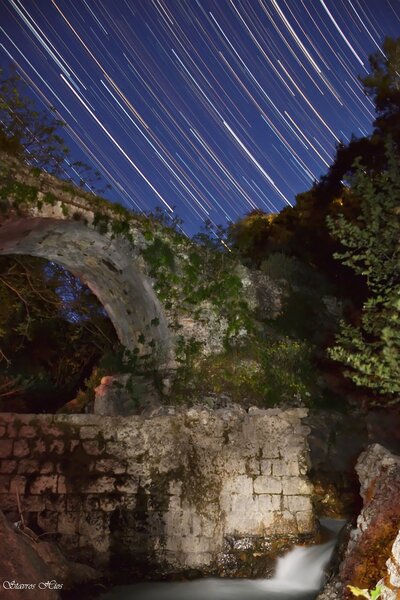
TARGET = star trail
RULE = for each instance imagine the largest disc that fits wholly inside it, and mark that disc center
(205, 108)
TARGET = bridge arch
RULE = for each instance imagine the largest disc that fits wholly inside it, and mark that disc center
(108, 266)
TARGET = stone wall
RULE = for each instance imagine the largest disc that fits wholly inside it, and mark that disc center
(186, 489)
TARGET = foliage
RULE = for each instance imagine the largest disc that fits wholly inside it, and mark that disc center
(35, 136)
(307, 297)
(189, 274)
(301, 230)
(369, 594)
(371, 349)
(52, 332)
(263, 372)
(383, 85)
(249, 236)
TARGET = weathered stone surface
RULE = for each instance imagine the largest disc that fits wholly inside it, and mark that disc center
(162, 494)
(20, 563)
(114, 397)
(373, 550)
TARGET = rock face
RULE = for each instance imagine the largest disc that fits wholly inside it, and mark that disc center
(21, 566)
(211, 491)
(376, 538)
(336, 441)
(40, 565)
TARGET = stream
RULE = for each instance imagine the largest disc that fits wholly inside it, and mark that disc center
(299, 576)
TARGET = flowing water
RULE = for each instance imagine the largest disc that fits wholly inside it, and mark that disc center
(299, 576)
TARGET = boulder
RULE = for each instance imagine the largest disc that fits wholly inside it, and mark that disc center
(28, 561)
(22, 571)
(373, 551)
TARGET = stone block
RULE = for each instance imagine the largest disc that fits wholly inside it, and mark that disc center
(68, 523)
(93, 524)
(28, 465)
(100, 485)
(61, 484)
(267, 520)
(174, 503)
(12, 429)
(50, 429)
(55, 503)
(253, 467)
(271, 449)
(193, 545)
(44, 484)
(39, 447)
(242, 484)
(33, 504)
(267, 485)
(266, 467)
(18, 482)
(244, 517)
(74, 503)
(134, 468)
(21, 448)
(281, 468)
(126, 485)
(8, 502)
(5, 481)
(57, 446)
(285, 523)
(294, 486)
(173, 543)
(48, 521)
(27, 431)
(47, 467)
(88, 433)
(91, 502)
(5, 448)
(269, 503)
(8, 466)
(92, 448)
(109, 504)
(2, 430)
(110, 465)
(305, 521)
(299, 503)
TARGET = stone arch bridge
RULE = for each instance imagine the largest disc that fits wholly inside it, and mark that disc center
(141, 271)
(49, 218)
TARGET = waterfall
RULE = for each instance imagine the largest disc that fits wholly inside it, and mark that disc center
(299, 574)
(301, 569)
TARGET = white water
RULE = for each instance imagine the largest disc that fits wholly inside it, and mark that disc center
(302, 569)
(299, 576)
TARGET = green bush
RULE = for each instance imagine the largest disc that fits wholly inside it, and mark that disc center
(265, 373)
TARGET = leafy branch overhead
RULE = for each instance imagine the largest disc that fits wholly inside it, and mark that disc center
(370, 350)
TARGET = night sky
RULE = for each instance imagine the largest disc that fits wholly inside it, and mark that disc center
(206, 108)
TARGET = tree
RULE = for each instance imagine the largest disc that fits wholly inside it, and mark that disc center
(26, 132)
(52, 329)
(370, 349)
(52, 332)
(383, 84)
(35, 136)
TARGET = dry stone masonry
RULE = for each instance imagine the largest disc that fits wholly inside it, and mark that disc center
(188, 489)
